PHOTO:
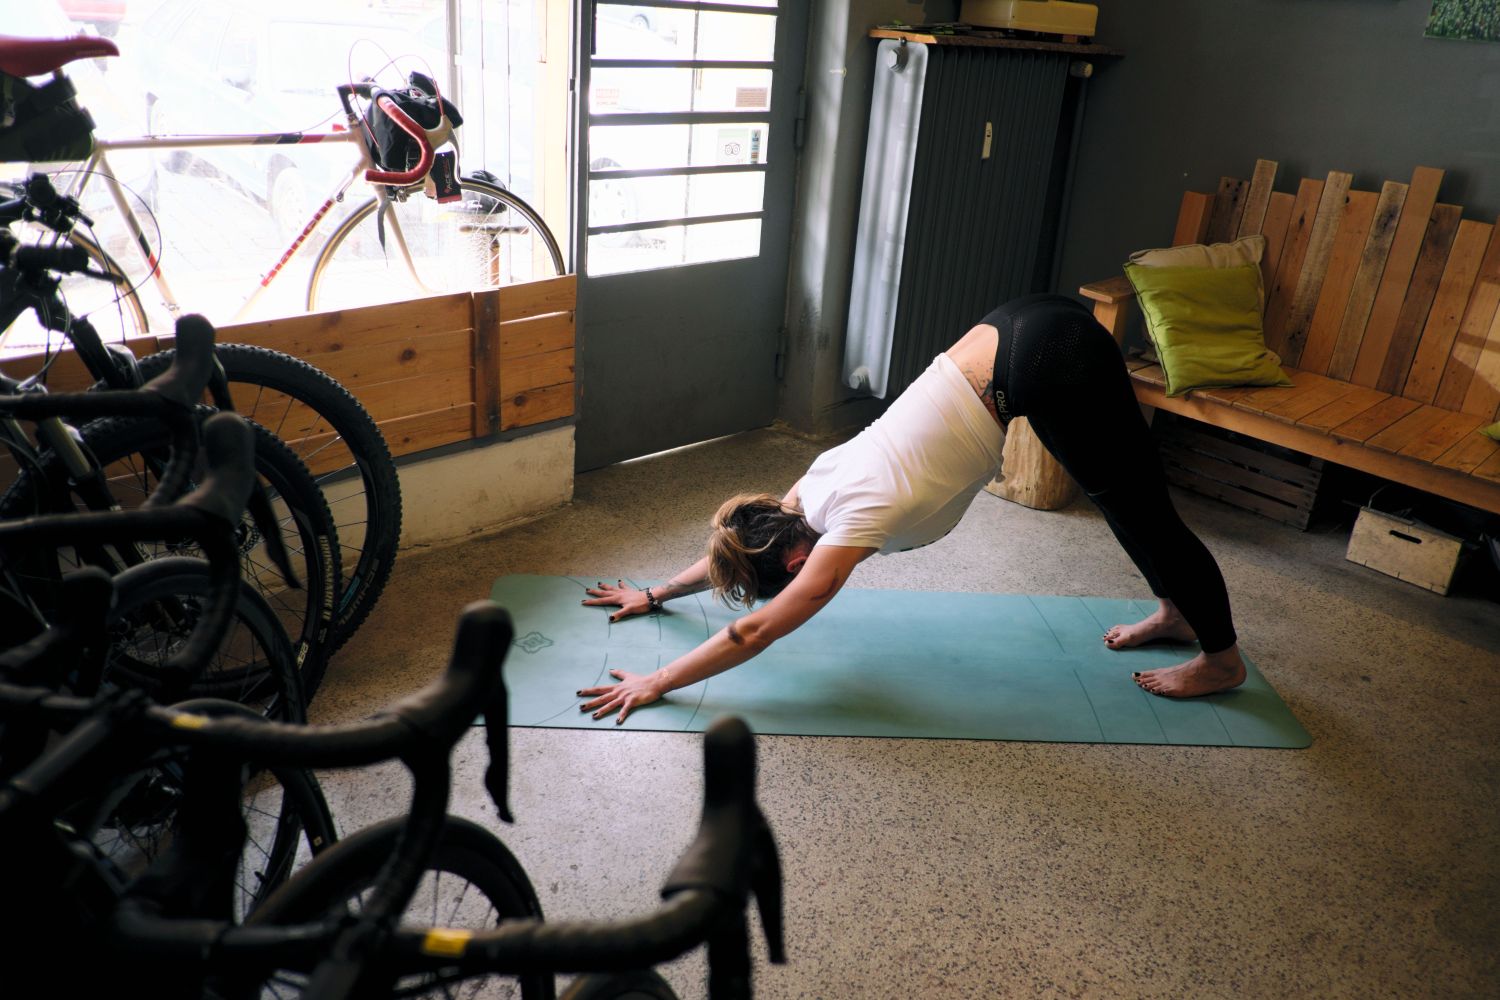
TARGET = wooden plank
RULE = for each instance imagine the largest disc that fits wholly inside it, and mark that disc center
(1227, 395)
(1410, 231)
(1278, 218)
(326, 332)
(1375, 419)
(1229, 205)
(1490, 468)
(1345, 407)
(1431, 262)
(536, 336)
(1471, 331)
(537, 406)
(1258, 198)
(1454, 293)
(486, 347)
(1258, 463)
(1404, 433)
(1109, 291)
(1367, 279)
(395, 359)
(421, 431)
(1468, 454)
(295, 421)
(1293, 409)
(1199, 483)
(67, 373)
(1483, 397)
(1442, 436)
(1343, 264)
(536, 371)
(1331, 206)
(1192, 218)
(1458, 486)
(1151, 374)
(1260, 399)
(1289, 268)
(533, 298)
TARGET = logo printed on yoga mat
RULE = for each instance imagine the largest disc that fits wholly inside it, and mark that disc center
(533, 642)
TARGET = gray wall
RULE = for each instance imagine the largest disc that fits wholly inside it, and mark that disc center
(1208, 86)
(1204, 89)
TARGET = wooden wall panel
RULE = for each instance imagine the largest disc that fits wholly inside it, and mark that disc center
(1427, 274)
(1472, 329)
(1453, 295)
(1421, 198)
(1343, 265)
(1289, 269)
(1331, 206)
(1483, 397)
(1192, 218)
(1278, 218)
(1367, 279)
(1258, 198)
(1229, 205)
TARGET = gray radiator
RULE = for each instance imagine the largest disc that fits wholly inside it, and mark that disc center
(945, 233)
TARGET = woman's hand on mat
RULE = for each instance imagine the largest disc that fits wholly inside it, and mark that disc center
(629, 600)
(633, 691)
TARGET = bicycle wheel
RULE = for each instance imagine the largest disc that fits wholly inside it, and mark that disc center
(472, 881)
(123, 448)
(156, 609)
(335, 437)
(641, 984)
(487, 239)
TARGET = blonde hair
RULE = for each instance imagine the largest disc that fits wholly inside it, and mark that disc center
(751, 535)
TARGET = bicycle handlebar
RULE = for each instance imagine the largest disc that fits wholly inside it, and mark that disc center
(208, 516)
(407, 124)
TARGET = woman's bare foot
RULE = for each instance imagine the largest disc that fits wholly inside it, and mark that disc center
(1163, 624)
(1205, 673)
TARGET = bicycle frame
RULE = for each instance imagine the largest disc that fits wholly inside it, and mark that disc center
(98, 163)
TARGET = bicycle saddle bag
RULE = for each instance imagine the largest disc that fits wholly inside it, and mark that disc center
(391, 147)
(42, 123)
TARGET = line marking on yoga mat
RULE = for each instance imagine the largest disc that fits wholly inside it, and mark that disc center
(1060, 647)
(696, 708)
(1222, 725)
(1082, 687)
(1150, 703)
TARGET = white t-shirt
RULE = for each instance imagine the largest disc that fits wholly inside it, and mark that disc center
(908, 478)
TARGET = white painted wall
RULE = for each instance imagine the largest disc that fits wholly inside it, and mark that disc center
(447, 499)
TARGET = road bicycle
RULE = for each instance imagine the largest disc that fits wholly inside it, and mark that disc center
(344, 925)
(170, 627)
(117, 460)
(399, 243)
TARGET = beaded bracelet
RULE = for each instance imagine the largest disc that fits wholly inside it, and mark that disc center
(653, 605)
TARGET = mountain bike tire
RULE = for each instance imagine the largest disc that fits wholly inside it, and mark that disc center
(489, 238)
(122, 447)
(346, 452)
(472, 881)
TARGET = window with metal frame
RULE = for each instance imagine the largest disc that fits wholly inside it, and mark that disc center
(678, 130)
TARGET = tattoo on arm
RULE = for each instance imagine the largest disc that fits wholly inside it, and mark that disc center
(734, 635)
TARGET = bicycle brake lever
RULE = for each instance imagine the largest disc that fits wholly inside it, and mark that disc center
(765, 882)
(259, 507)
(497, 739)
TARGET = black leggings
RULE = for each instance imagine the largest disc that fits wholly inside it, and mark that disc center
(1057, 367)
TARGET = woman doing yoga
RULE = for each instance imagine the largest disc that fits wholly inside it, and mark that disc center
(906, 480)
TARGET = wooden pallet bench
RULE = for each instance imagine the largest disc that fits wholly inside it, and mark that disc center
(1383, 308)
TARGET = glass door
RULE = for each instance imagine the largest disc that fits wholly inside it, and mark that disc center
(687, 169)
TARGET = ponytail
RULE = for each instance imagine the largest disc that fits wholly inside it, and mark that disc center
(752, 533)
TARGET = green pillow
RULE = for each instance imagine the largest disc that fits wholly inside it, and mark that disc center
(1205, 324)
(1492, 431)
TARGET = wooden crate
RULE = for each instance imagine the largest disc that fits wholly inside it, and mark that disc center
(1271, 481)
(1405, 549)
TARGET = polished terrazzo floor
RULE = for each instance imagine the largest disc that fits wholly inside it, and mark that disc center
(1367, 865)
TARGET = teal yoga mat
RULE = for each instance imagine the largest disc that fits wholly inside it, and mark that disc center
(891, 663)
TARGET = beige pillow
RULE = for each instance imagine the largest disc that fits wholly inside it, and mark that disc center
(1245, 250)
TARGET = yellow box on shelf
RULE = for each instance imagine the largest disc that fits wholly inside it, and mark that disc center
(1050, 17)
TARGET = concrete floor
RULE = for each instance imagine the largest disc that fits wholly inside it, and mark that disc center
(1367, 865)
